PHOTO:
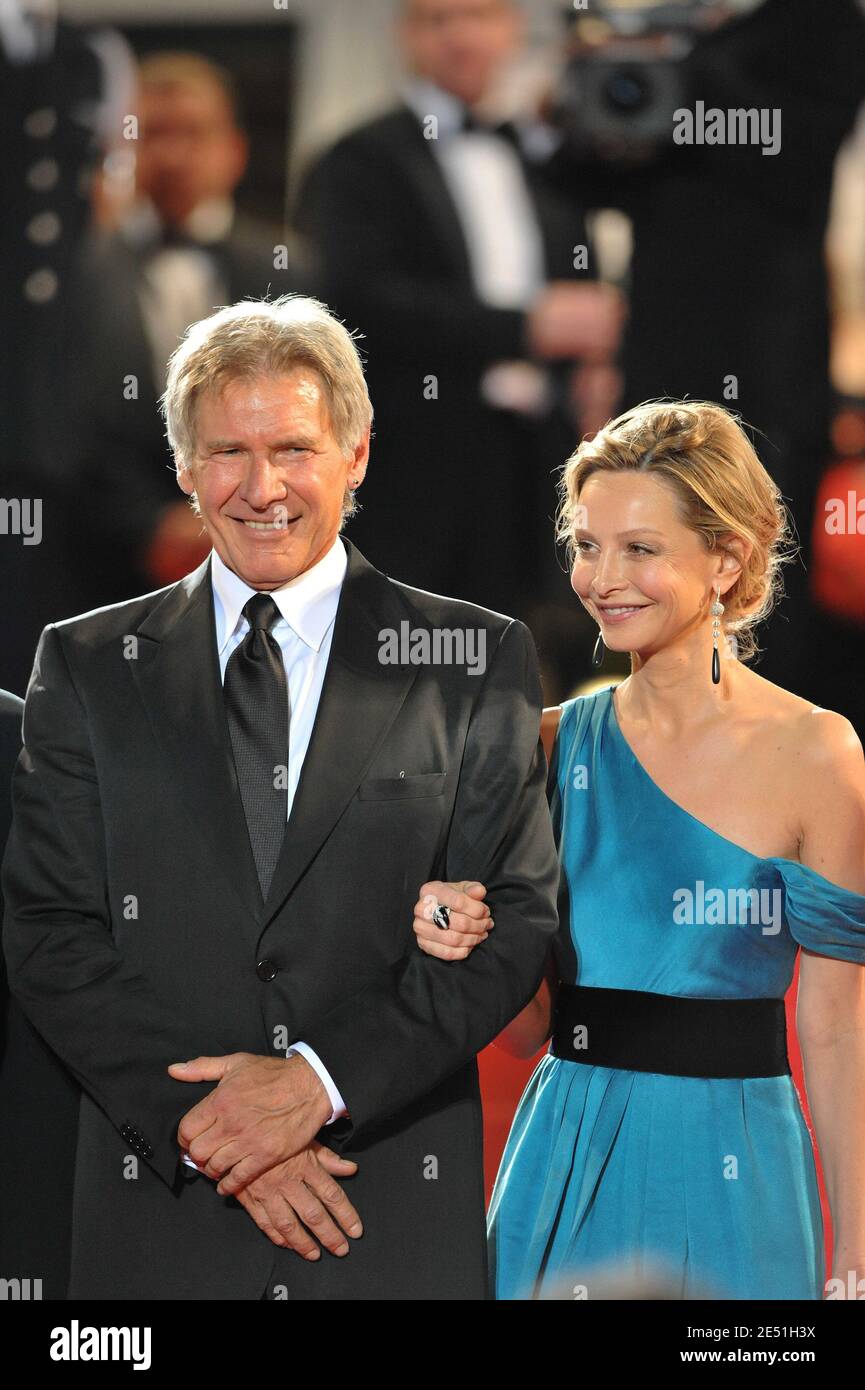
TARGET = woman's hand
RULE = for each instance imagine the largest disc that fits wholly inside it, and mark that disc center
(470, 920)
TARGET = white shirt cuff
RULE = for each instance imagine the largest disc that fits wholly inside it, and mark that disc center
(338, 1105)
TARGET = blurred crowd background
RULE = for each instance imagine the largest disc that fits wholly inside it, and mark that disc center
(490, 194)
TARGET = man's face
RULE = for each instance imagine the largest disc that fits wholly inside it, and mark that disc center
(188, 148)
(269, 475)
(460, 45)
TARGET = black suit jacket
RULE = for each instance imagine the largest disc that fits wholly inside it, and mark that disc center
(11, 710)
(134, 925)
(36, 1168)
(395, 264)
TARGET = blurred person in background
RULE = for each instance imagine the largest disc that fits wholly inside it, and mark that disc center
(837, 572)
(59, 85)
(728, 288)
(471, 280)
(179, 251)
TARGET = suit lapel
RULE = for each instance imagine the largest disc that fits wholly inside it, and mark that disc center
(177, 673)
(561, 223)
(359, 701)
(421, 166)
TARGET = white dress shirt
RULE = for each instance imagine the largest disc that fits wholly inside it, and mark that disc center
(304, 632)
(496, 211)
(486, 181)
(177, 285)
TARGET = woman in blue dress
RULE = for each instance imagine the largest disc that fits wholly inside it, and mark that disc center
(710, 824)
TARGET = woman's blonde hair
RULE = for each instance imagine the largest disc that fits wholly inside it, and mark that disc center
(704, 455)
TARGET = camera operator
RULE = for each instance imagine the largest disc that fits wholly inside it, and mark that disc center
(728, 282)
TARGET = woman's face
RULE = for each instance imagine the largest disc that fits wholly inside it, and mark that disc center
(646, 578)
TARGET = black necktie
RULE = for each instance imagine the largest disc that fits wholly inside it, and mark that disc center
(256, 707)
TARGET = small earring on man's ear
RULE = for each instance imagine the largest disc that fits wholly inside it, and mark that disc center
(599, 653)
(716, 610)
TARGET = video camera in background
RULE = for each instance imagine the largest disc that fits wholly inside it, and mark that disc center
(628, 71)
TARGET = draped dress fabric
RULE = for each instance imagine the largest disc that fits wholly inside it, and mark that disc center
(711, 1180)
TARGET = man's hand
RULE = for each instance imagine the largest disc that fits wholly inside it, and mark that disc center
(297, 1199)
(577, 319)
(596, 389)
(264, 1110)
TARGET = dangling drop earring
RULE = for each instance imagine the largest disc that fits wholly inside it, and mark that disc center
(716, 610)
(598, 653)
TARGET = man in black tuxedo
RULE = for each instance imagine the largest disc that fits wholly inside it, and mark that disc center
(234, 793)
(472, 281)
(179, 251)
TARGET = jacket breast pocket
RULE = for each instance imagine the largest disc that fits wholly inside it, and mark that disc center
(401, 788)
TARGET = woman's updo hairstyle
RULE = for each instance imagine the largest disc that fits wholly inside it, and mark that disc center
(702, 453)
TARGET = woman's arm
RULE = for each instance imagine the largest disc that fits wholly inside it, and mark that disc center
(526, 1034)
(830, 1017)
(549, 728)
(830, 1022)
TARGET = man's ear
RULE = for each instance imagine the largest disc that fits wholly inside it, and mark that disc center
(360, 459)
(185, 480)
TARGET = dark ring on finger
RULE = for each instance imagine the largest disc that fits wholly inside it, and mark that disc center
(442, 917)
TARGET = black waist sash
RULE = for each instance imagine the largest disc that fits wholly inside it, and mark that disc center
(637, 1031)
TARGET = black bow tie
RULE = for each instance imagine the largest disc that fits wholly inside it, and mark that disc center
(505, 130)
(175, 238)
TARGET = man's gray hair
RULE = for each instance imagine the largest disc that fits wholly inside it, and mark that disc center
(267, 338)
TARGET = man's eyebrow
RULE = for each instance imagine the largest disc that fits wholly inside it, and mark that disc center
(295, 442)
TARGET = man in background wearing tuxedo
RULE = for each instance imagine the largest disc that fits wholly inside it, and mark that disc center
(234, 794)
(442, 241)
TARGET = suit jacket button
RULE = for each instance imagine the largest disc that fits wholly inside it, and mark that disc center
(267, 970)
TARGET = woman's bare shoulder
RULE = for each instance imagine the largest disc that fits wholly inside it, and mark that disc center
(821, 731)
(821, 747)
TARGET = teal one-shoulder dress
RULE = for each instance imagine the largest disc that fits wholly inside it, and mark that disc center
(712, 1179)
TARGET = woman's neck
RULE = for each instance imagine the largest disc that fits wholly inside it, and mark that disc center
(674, 691)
